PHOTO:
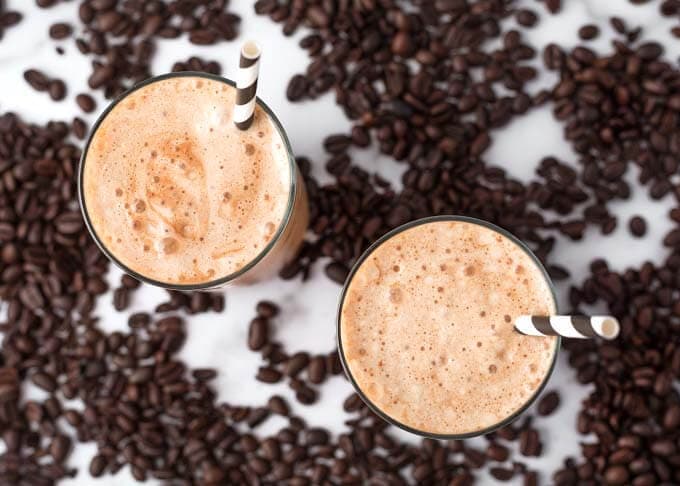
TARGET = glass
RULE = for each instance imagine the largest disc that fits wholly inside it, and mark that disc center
(368, 252)
(283, 245)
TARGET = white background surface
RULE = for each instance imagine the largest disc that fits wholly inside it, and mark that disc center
(307, 321)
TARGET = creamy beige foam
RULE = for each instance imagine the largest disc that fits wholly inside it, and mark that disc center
(427, 327)
(175, 191)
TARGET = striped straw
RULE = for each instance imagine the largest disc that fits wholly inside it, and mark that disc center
(580, 327)
(246, 84)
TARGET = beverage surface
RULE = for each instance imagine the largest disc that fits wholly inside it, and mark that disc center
(175, 191)
(427, 327)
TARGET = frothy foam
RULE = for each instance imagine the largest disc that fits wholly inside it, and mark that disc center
(175, 191)
(427, 327)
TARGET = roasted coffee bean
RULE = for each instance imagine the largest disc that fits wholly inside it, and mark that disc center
(9, 19)
(637, 226)
(548, 403)
(616, 475)
(306, 395)
(86, 102)
(36, 79)
(278, 405)
(100, 76)
(316, 370)
(121, 299)
(296, 363)
(316, 437)
(526, 18)
(589, 32)
(60, 30)
(44, 381)
(268, 375)
(336, 272)
(266, 309)
(497, 452)
(56, 89)
(297, 88)
(79, 128)
(502, 474)
(257, 416)
(258, 333)
(529, 443)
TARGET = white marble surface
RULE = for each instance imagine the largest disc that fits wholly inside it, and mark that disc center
(309, 310)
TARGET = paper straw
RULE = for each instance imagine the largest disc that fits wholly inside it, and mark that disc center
(579, 327)
(246, 84)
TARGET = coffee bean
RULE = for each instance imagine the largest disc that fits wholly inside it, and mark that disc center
(616, 475)
(257, 416)
(44, 381)
(121, 299)
(86, 102)
(268, 375)
(473, 458)
(296, 363)
(297, 88)
(97, 466)
(36, 79)
(316, 370)
(548, 403)
(336, 272)
(306, 395)
(497, 452)
(258, 333)
(589, 32)
(278, 405)
(502, 474)
(526, 18)
(79, 128)
(554, 6)
(100, 76)
(59, 448)
(316, 437)
(637, 226)
(671, 417)
(529, 443)
(60, 30)
(402, 44)
(531, 478)
(9, 19)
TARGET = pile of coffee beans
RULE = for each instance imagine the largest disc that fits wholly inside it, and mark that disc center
(300, 369)
(421, 85)
(195, 63)
(121, 36)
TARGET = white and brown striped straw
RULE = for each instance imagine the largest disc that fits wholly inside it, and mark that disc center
(579, 327)
(246, 84)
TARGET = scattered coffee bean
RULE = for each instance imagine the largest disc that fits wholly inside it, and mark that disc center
(60, 30)
(548, 403)
(258, 333)
(79, 128)
(86, 102)
(589, 32)
(637, 226)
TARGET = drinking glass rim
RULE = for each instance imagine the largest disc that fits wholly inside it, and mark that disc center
(267, 248)
(412, 224)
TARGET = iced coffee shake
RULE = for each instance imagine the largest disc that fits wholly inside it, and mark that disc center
(177, 195)
(426, 327)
